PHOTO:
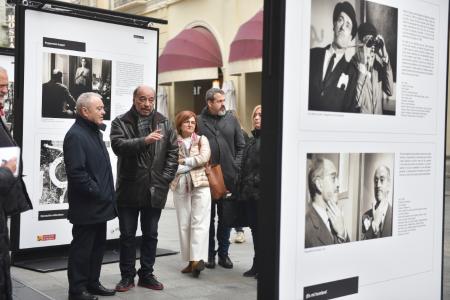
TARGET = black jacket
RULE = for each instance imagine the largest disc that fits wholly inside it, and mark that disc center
(13, 199)
(89, 175)
(327, 95)
(226, 141)
(250, 178)
(144, 172)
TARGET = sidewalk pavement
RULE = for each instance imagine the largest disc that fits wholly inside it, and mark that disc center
(218, 283)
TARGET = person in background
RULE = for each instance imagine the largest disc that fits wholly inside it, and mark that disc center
(91, 198)
(14, 197)
(57, 102)
(250, 180)
(191, 194)
(239, 238)
(227, 144)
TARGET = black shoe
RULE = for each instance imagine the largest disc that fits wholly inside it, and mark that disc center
(225, 262)
(250, 273)
(125, 284)
(85, 295)
(150, 282)
(211, 264)
(101, 291)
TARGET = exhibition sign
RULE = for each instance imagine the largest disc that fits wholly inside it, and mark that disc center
(364, 116)
(61, 57)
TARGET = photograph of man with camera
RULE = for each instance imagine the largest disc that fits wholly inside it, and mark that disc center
(353, 66)
(375, 71)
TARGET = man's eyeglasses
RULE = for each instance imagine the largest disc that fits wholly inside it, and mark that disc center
(145, 99)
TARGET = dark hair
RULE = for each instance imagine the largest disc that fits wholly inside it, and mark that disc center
(366, 29)
(182, 116)
(348, 9)
(209, 96)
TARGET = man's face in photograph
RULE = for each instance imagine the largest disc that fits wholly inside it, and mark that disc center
(330, 182)
(342, 30)
(381, 184)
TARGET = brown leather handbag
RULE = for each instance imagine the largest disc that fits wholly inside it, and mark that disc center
(216, 182)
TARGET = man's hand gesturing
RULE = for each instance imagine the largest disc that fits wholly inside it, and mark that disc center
(153, 137)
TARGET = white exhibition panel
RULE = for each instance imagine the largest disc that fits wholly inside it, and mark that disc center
(121, 57)
(410, 140)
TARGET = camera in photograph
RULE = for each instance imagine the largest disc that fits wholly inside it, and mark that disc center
(375, 42)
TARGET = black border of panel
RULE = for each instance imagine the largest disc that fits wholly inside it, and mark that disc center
(29, 253)
(18, 110)
(269, 208)
(7, 51)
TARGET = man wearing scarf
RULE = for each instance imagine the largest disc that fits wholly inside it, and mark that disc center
(147, 150)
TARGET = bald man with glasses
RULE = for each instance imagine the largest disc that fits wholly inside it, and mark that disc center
(324, 224)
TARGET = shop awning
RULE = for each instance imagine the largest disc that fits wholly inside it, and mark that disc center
(193, 54)
(246, 48)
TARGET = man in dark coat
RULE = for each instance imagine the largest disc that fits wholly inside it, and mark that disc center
(14, 198)
(147, 150)
(332, 75)
(91, 198)
(227, 144)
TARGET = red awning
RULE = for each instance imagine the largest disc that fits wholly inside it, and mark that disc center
(247, 43)
(191, 49)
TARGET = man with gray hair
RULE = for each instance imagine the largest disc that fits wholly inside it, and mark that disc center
(324, 222)
(147, 150)
(227, 145)
(91, 198)
(377, 221)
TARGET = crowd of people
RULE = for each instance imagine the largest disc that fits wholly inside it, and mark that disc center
(153, 156)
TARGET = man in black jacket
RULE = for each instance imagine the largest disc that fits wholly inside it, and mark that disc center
(91, 198)
(227, 144)
(332, 75)
(14, 198)
(147, 151)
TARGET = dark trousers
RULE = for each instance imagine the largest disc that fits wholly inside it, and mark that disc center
(86, 256)
(128, 220)
(223, 233)
(251, 210)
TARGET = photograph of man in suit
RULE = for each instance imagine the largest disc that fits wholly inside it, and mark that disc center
(377, 221)
(332, 76)
(324, 222)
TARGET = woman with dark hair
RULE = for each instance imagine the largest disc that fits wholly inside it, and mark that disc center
(250, 181)
(191, 194)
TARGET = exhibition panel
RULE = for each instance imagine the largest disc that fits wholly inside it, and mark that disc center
(61, 57)
(365, 92)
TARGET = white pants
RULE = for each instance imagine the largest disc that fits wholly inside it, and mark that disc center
(193, 214)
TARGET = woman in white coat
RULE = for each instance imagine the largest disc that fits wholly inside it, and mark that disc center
(191, 194)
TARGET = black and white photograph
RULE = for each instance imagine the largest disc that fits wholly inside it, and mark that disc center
(53, 173)
(376, 195)
(348, 198)
(65, 77)
(353, 57)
